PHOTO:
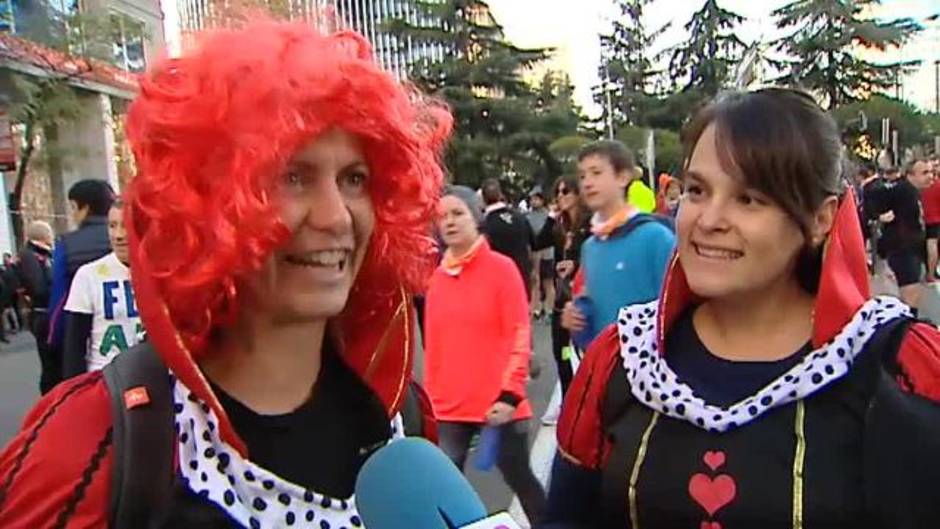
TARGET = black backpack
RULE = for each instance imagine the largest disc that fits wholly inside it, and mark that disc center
(143, 470)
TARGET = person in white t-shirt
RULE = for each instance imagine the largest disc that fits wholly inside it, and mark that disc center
(101, 315)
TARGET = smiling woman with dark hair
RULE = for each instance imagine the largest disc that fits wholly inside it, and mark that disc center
(766, 387)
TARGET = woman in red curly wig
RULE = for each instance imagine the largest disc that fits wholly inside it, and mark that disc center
(277, 223)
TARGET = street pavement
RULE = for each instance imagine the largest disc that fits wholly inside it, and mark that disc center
(19, 382)
(19, 389)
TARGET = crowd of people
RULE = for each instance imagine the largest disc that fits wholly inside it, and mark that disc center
(72, 322)
(900, 211)
(233, 353)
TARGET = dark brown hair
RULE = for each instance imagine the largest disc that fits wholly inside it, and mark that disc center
(779, 141)
(616, 152)
(582, 212)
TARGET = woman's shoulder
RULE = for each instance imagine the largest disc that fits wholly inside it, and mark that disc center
(918, 361)
(580, 431)
(58, 465)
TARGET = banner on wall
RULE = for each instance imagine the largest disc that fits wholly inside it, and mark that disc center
(7, 144)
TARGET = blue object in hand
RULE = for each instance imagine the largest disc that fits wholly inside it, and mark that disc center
(411, 484)
(583, 338)
(487, 451)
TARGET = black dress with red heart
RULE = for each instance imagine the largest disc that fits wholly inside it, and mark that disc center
(656, 432)
(825, 440)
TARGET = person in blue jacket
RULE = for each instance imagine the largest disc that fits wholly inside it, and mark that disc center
(625, 259)
(89, 200)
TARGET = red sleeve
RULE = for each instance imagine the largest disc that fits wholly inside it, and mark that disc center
(516, 328)
(919, 361)
(580, 430)
(930, 198)
(57, 469)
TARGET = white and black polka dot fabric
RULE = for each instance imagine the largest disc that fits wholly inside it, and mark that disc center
(653, 383)
(251, 495)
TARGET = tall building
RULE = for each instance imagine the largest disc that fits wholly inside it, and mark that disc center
(368, 17)
(364, 16)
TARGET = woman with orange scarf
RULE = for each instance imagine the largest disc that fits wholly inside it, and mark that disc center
(478, 344)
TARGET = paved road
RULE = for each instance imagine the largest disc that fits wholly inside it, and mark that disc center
(19, 382)
(19, 375)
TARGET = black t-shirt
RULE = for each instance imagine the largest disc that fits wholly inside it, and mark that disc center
(320, 446)
(718, 381)
(906, 232)
(510, 234)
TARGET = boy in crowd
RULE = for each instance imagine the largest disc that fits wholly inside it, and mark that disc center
(903, 234)
(507, 230)
(101, 318)
(640, 195)
(625, 259)
(89, 200)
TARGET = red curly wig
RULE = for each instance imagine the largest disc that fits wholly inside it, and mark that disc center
(211, 132)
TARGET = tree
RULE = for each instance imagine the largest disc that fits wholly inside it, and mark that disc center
(823, 48)
(626, 69)
(704, 63)
(44, 102)
(932, 127)
(913, 126)
(503, 126)
(667, 144)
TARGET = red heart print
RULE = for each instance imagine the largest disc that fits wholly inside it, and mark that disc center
(712, 494)
(710, 525)
(714, 460)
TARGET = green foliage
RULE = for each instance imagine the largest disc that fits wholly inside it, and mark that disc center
(913, 126)
(823, 45)
(626, 69)
(504, 127)
(931, 125)
(668, 147)
(44, 102)
(706, 60)
(698, 69)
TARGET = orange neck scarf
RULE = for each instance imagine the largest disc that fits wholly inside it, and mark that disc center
(453, 264)
(603, 230)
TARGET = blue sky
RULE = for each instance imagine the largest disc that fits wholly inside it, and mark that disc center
(572, 26)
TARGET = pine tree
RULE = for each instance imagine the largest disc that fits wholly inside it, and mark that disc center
(824, 45)
(503, 126)
(705, 62)
(626, 67)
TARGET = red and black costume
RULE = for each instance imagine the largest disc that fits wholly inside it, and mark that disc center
(212, 132)
(844, 434)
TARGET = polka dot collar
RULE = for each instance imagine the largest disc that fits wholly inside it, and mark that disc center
(251, 495)
(654, 383)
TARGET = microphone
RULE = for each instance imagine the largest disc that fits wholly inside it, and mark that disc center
(411, 484)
